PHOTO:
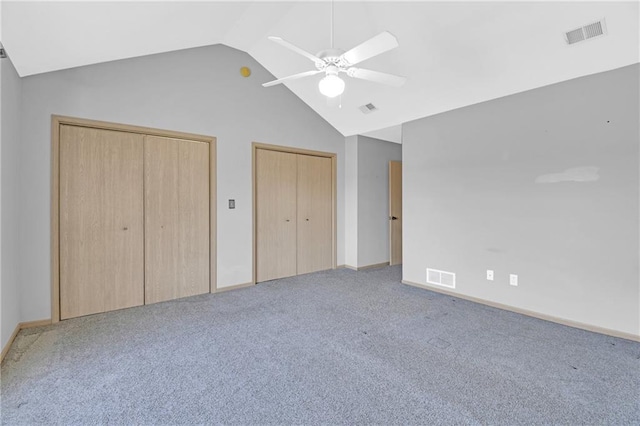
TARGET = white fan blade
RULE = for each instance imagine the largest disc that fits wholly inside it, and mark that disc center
(381, 43)
(296, 49)
(376, 76)
(291, 77)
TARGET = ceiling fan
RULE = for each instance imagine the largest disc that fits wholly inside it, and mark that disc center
(332, 62)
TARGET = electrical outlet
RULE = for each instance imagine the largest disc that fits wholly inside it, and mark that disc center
(513, 280)
(232, 204)
(489, 275)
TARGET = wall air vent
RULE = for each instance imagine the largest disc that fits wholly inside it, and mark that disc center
(368, 108)
(587, 32)
(443, 278)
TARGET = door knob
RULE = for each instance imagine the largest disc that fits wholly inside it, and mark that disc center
(287, 220)
(307, 220)
(125, 228)
(394, 218)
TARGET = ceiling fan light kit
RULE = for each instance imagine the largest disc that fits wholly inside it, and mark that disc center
(335, 61)
(331, 85)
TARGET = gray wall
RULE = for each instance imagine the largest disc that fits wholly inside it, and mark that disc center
(373, 198)
(351, 201)
(196, 90)
(367, 199)
(471, 201)
(10, 89)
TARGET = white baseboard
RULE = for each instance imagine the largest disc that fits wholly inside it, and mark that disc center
(234, 287)
(362, 268)
(20, 326)
(570, 323)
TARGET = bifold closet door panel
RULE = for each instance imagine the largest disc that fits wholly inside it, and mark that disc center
(101, 221)
(314, 241)
(176, 182)
(275, 214)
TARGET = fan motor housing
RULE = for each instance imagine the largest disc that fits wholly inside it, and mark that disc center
(330, 57)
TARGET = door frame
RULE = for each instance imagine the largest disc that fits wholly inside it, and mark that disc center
(59, 120)
(334, 197)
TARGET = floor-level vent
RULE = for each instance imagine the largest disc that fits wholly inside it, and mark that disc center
(443, 278)
(587, 32)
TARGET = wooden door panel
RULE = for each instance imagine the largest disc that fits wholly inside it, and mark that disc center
(176, 218)
(161, 219)
(395, 211)
(101, 221)
(275, 214)
(314, 240)
(193, 201)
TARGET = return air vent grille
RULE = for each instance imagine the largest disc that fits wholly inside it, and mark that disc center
(587, 32)
(593, 30)
(575, 36)
(368, 108)
(443, 278)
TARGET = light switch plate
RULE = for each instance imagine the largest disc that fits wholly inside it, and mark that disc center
(232, 204)
(489, 275)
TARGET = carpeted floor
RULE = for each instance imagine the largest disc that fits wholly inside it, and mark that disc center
(337, 347)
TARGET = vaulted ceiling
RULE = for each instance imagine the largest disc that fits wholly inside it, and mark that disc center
(453, 53)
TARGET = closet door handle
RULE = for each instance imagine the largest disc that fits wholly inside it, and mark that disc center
(125, 228)
(287, 220)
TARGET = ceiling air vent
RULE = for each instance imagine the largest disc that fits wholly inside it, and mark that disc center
(587, 32)
(368, 108)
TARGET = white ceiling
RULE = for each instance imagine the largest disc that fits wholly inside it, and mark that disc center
(453, 53)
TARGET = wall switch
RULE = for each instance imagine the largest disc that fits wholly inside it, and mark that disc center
(489, 275)
(513, 279)
(232, 204)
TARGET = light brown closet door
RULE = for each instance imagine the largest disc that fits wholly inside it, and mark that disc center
(275, 214)
(395, 212)
(176, 182)
(101, 221)
(315, 244)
